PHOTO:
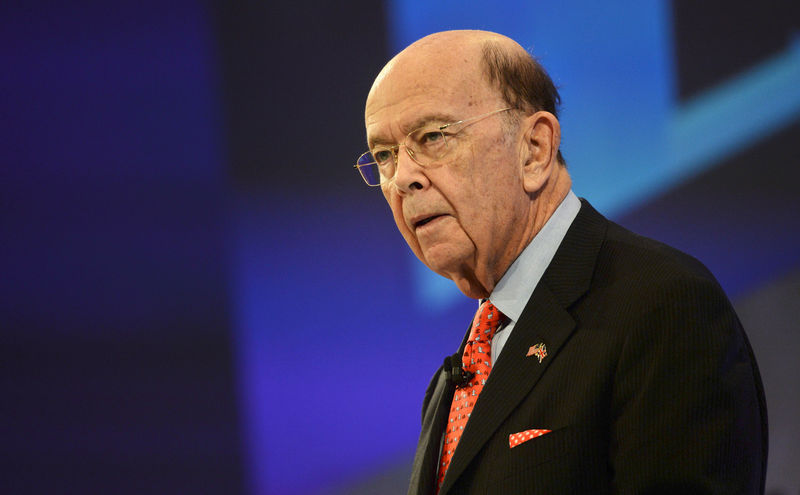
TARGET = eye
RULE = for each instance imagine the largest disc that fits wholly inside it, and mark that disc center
(430, 140)
(432, 137)
(382, 157)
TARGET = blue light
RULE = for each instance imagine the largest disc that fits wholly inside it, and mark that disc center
(625, 136)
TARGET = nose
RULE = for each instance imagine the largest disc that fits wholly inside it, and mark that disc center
(409, 176)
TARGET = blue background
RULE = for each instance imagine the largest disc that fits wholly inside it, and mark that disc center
(197, 292)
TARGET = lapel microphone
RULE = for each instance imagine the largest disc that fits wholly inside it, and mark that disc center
(455, 373)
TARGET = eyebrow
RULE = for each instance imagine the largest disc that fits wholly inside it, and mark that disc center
(441, 118)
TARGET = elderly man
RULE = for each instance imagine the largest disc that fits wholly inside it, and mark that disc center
(599, 361)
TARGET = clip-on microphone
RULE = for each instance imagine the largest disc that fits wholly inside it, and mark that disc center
(455, 373)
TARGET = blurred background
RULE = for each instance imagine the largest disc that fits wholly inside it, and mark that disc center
(198, 294)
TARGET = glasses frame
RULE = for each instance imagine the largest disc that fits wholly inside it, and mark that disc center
(395, 149)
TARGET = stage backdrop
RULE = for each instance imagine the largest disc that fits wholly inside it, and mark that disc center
(199, 294)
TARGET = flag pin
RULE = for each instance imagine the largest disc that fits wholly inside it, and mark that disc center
(539, 350)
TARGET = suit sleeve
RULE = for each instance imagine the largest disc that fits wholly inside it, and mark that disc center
(429, 393)
(688, 413)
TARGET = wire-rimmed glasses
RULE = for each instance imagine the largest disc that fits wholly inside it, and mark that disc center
(425, 145)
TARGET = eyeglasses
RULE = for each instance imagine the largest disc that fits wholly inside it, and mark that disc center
(424, 145)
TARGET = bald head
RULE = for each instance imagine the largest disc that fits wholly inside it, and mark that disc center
(504, 65)
(444, 51)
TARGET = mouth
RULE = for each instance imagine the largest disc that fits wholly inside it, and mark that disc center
(426, 220)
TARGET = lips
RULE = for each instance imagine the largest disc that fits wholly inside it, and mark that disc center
(425, 220)
(419, 216)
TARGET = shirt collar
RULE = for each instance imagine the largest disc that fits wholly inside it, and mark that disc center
(512, 292)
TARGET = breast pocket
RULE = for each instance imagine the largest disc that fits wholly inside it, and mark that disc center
(566, 460)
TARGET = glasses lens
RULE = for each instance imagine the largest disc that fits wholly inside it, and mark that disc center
(369, 169)
(426, 145)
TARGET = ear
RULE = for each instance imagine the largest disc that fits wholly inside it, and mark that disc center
(542, 137)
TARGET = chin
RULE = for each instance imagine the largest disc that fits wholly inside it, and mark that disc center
(443, 263)
(471, 289)
(457, 269)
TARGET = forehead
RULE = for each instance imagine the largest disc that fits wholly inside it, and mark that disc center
(411, 92)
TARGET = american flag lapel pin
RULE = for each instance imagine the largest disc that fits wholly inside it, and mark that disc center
(539, 350)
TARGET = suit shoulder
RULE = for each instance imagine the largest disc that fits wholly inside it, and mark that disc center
(605, 258)
(626, 254)
(636, 275)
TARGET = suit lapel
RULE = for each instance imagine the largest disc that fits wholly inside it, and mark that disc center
(513, 377)
(426, 459)
(545, 320)
(425, 469)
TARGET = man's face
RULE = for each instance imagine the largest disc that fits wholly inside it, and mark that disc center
(459, 214)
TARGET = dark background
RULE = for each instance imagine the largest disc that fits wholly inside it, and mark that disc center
(199, 295)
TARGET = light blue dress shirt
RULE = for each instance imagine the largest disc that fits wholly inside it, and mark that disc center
(512, 292)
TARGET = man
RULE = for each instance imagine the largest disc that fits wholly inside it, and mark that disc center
(599, 361)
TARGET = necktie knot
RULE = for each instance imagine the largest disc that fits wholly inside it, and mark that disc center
(478, 351)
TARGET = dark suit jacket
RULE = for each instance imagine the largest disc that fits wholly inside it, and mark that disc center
(649, 384)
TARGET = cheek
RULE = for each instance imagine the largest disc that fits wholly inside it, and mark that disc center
(401, 226)
(397, 209)
(477, 225)
(490, 206)
(396, 205)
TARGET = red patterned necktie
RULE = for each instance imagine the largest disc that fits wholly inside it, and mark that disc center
(477, 359)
